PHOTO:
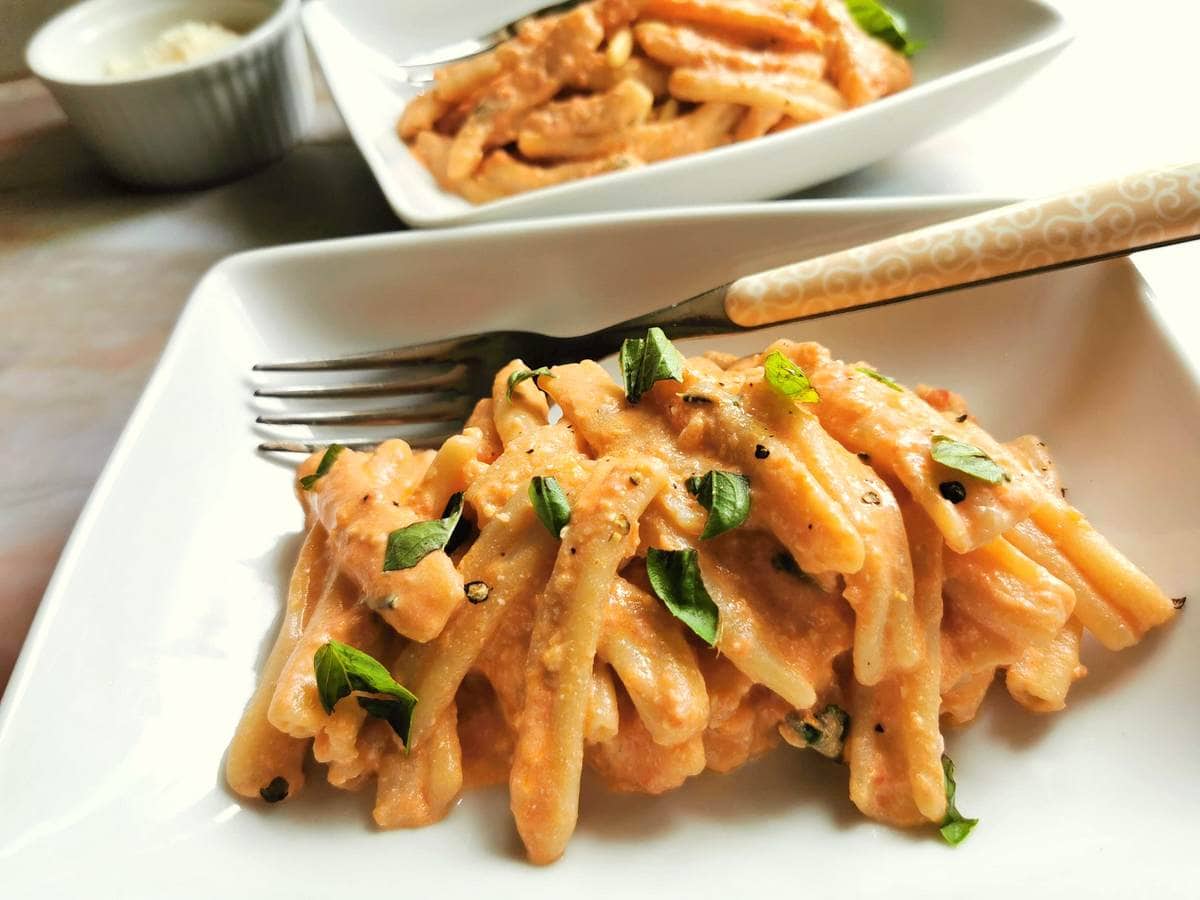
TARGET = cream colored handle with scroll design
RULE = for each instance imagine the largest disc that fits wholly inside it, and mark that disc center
(1154, 207)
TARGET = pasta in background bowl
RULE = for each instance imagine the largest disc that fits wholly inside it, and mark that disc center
(619, 83)
(973, 54)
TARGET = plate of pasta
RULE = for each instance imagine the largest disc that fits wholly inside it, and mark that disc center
(620, 104)
(814, 593)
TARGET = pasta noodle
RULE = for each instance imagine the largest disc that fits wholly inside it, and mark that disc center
(600, 88)
(566, 631)
(650, 589)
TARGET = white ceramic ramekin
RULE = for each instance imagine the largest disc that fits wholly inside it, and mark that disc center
(188, 125)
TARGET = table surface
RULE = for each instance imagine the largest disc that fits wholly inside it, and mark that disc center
(92, 276)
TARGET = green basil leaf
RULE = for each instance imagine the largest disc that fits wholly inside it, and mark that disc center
(955, 827)
(550, 504)
(676, 580)
(954, 833)
(630, 361)
(647, 360)
(824, 732)
(523, 374)
(789, 379)
(884, 23)
(965, 458)
(462, 527)
(409, 545)
(726, 496)
(396, 713)
(342, 669)
(880, 377)
(332, 452)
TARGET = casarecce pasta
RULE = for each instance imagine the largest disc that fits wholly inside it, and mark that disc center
(670, 576)
(619, 83)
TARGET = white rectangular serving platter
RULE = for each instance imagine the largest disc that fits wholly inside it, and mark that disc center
(146, 647)
(974, 53)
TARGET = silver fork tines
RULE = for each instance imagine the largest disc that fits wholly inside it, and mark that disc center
(467, 366)
(429, 353)
(418, 443)
(454, 380)
(443, 412)
(419, 68)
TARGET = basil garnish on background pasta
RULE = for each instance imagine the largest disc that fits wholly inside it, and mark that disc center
(880, 377)
(788, 379)
(409, 545)
(726, 496)
(524, 374)
(332, 452)
(342, 669)
(955, 827)
(675, 578)
(550, 504)
(884, 23)
(965, 458)
(647, 360)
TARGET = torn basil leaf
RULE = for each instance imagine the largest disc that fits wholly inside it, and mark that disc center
(647, 360)
(524, 374)
(955, 827)
(550, 504)
(788, 379)
(884, 23)
(880, 377)
(824, 732)
(726, 496)
(409, 545)
(342, 669)
(676, 580)
(965, 458)
(396, 713)
(630, 361)
(332, 452)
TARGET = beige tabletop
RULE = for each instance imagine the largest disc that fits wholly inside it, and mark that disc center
(92, 275)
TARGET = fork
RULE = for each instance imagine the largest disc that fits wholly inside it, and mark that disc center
(1113, 218)
(419, 68)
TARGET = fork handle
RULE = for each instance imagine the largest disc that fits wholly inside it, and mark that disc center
(1154, 207)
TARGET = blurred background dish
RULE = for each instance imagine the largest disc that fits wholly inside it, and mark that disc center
(972, 54)
(607, 85)
(179, 93)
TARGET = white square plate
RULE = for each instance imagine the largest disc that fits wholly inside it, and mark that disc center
(974, 53)
(147, 645)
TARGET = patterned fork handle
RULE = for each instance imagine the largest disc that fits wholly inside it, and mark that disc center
(1155, 207)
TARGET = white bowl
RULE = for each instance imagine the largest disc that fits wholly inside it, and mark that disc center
(975, 52)
(189, 124)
